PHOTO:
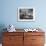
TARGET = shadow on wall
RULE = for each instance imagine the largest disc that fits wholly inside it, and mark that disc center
(2, 26)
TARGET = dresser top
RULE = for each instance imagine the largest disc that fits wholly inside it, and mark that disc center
(22, 30)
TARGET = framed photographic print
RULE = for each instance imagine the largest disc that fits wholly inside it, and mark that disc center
(26, 14)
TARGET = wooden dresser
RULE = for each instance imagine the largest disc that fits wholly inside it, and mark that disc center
(23, 39)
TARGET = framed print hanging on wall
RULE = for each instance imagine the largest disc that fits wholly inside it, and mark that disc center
(26, 14)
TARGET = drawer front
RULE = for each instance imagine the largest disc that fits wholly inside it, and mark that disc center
(13, 33)
(37, 39)
(12, 44)
(12, 39)
(37, 45)
(34, 33)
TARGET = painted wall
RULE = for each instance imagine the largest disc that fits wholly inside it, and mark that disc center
(8, 13)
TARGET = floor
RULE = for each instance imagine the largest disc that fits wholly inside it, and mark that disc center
(0, 44)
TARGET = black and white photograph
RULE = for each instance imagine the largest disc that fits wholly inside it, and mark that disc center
(26, 14)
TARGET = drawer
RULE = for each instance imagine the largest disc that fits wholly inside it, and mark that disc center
(8, 45)
(37, 39)
(34, 33)
(12, 39)
(14, 44)
(13, 33)
(37, 44)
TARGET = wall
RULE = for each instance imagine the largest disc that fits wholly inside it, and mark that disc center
(9, 13)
